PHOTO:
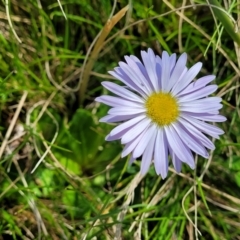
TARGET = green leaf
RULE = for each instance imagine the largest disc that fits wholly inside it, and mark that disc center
(85, 140)
(236, 167)
(75, 203)
(237, 178)
(222, 16)
(45, 183)
(69, 164)
(203, 196)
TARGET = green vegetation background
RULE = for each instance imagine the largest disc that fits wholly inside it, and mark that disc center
(59, 179)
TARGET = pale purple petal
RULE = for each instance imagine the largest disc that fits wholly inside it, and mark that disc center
(190, 142)
(178, 147)
(201, 82)
(207, 100)
(126, 125)
(125, 110)
(177, 163)
(205, 105)
(149, 61)
(137, 69)
(187, 78)
(173, 58)
(113, 118)
(177, 71)
(203, 92)
(117, 102)
(148, 152)
(213, 112)
(116, 136)
(149, 134)
(122, 92)
(159, 72)
(165, 70)
(135, 75)
(200, 108)
(202, 105)
(208, 117)
(158, 60)
(142, 69)
(130, 146)
(118, 132)
(194, 131)
(161, 154)
(120, 75)
(135, 131)
(204, 127)
(132, 159)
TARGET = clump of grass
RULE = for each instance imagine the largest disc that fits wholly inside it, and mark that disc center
(58, 176)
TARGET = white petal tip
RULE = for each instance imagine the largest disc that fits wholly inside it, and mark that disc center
(102, 119)
(221, 132)
(163, 176)
(143, 172)
(192, 166)
(206, 156)
(97, 99)
(104, 83)
(108, 138)
(123, 155)
(224, 119)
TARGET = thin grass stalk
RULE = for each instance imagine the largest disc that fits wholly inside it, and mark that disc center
(97, 48)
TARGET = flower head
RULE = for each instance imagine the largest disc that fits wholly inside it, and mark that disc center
(163, 110)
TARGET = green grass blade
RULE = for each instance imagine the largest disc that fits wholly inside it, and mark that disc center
(224, 18)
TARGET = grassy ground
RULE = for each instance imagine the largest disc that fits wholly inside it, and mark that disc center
(59, 179)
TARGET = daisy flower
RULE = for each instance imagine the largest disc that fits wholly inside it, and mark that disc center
(162, 110)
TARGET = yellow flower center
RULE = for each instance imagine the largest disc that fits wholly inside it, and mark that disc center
(162, 108)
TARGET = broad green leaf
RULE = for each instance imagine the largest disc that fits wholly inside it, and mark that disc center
(225, 20)
(85, 140)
